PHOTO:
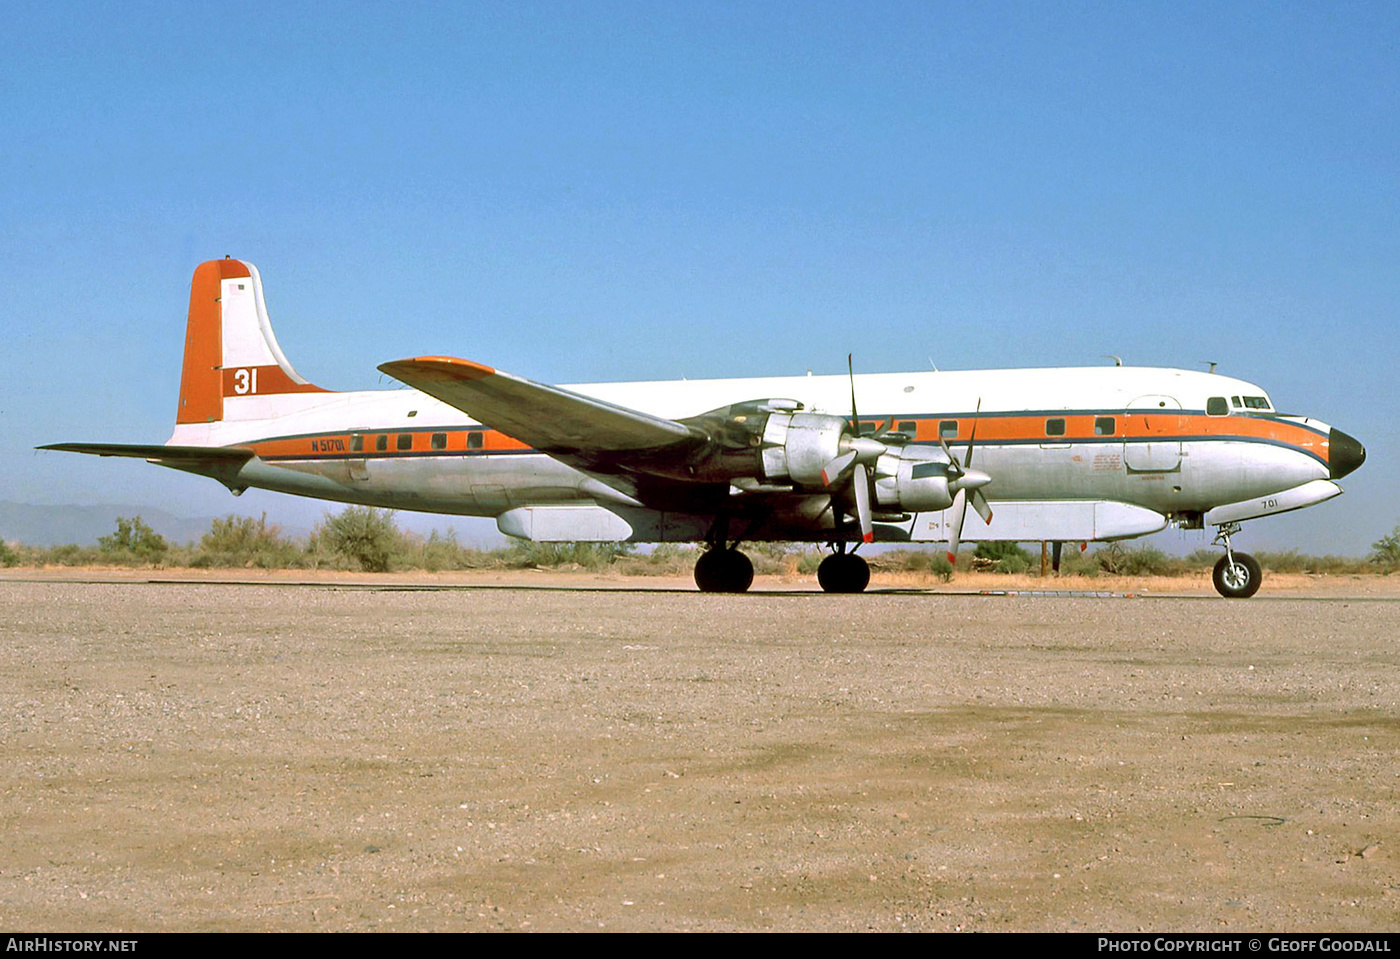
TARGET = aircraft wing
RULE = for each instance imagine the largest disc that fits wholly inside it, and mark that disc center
(550, 419)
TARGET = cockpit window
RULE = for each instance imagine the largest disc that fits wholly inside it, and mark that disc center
(1216, 406)
(1257, 403)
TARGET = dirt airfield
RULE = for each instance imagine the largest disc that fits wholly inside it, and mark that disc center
(570, 752)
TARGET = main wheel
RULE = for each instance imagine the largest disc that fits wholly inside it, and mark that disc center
(723, 571)
(843, 573)
(1237, 580)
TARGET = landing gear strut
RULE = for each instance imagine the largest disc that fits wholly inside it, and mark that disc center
(1237, 575)
(843, 572)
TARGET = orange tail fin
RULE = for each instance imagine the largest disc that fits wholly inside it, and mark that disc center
(232, 360)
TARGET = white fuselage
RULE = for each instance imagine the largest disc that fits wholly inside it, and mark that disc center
(1154, 438)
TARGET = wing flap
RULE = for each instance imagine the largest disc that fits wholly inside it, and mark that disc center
(550, 419)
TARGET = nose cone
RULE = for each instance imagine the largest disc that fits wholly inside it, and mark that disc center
(1344, 454)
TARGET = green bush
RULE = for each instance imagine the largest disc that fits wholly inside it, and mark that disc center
(8, 557)
(527, 554)
(1003, 557)
(244, 541)
(1385, 552)
(1116, 560)
(441, 551)
(133, 542)
(359, 537)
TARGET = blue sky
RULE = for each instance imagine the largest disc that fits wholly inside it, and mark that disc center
(595, 191)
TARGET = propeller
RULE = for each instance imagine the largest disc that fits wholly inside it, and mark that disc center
(968, 483)
(856, 454)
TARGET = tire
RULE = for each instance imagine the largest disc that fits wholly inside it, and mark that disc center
(1240, 580)
(723, 571)
(843, 573)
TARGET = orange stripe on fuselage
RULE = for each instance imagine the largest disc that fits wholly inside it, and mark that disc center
(992, 430)
(1151, 425)
(342, 445)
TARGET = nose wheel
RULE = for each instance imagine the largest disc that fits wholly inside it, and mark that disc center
(1236, 575)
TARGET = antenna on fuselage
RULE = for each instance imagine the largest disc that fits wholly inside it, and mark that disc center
(1210, 363)
(1117, 360)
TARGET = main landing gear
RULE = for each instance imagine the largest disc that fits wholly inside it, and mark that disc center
(1237, 575)
(723, 570)
(843, 572)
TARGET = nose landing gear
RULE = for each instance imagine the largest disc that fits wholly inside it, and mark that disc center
(1236, 575)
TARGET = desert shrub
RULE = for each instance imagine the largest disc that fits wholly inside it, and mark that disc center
(132, 542)
(933, 562)
(1385, 552)
(1003, 557)
(773, 559)
(527, 554)
(244, 541)
(442, 551)
(664, 559)
(359, 537)
(1202, 558)
(1116, 560)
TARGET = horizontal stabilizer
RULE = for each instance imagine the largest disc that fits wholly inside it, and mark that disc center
(548, 418)
(168, 455)
(223, 463)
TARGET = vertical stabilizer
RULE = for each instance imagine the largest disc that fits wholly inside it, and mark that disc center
(233, 365)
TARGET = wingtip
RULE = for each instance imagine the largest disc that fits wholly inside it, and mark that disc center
(451, 366)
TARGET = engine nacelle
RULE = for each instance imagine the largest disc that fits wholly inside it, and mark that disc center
(796, 446)
(913, 479)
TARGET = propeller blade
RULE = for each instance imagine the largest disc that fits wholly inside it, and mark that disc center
(861, 483)
(851, 374)
(969, 483)
(972, 437)
(984, 509)
(834, 470)
(955, 514)
(955, 469)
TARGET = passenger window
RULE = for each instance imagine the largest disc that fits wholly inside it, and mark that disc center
(473, 440)
(908, 427)
(357, 442)
(1216, 406)
(405, 441)
(948, 429)
(439, 441)
(1105, 426)
(381, 442)
(1055, 426)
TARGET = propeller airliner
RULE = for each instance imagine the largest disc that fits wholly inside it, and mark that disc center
(1062, 455)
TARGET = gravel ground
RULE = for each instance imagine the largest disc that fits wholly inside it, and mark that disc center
(337, 756)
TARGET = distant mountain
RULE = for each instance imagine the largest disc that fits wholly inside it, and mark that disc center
(59, 525)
